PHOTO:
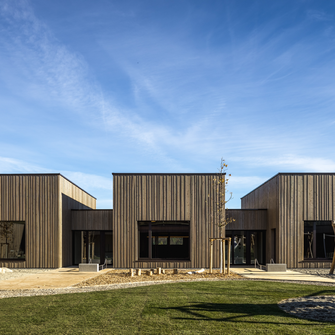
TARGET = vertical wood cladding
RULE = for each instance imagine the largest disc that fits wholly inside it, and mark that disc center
(99, 219)
(72, 197)
(163, 197)
(36, 200)
(33, 199)
(247, 219)
(303, 197)
(266, 197)
(292, 199)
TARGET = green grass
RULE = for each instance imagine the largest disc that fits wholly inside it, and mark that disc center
(228, 307)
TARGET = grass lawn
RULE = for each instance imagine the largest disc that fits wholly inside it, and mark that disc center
(227, 307)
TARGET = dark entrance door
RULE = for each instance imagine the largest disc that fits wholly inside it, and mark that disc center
(92, 246)
(246, 246)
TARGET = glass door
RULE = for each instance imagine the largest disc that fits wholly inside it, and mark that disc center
(246, 246)
(240, 248)
(92, 247)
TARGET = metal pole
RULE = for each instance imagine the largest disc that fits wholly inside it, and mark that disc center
(224, 255)
(221, 258)
(211, 259)
(228, 261)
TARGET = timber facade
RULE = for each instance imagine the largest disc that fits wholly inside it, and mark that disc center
(300, 211)
(164, 220)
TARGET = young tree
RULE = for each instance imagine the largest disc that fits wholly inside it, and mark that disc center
(220, 200)
(6, 233)
(220, 184)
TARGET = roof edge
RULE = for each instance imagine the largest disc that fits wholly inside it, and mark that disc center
(288, 174)
(46, 174)
(165, 174)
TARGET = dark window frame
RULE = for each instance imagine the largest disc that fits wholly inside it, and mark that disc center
(170, 234)
(234, 232)
(25, 242)
(102, 244)
(314, 246)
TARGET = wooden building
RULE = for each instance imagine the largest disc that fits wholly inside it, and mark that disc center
(164, 220)
(300, 211)
(175, 211)
(36, 219)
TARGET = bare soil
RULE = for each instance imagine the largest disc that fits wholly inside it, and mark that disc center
(123, 276)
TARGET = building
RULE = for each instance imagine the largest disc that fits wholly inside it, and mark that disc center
(300, 211)
(164, 220)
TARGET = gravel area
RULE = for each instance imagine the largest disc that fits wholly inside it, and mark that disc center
(123, 276)
(118, 279)
(41, 292)
(316, 272)
(318, 308)
(17, 273)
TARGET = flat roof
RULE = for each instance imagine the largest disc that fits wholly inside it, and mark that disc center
(165, 174)
(290, 174)
(45, 174)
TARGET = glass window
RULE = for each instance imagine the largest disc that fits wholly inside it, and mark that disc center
(12, 240)
(170, 240)
(109, 247)
(93, 247)
(318, 240)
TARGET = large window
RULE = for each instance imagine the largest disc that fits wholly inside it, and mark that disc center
(246, 246)
(318, 240)
(164, 240)
(12, 240)
(92, 247)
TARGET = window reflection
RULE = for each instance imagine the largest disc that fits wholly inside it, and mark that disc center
(12, 240)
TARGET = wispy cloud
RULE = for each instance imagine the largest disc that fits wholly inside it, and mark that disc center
(89, 181)
(10, 165)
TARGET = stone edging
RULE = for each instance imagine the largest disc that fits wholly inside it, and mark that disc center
(317, 308)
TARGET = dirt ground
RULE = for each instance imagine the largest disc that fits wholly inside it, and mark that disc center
(123, 276)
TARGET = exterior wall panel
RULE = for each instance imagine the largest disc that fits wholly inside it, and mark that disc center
(33, 199)
(37, 200)
(291, 199)
(266, 196)
(163, 197)
(71, 197)
(87, 219)
(247, 219)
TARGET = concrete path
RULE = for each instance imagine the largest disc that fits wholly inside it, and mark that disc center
(58, 278)
(254, 273)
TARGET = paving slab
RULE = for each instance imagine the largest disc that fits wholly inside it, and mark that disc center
(255, 273)
(58, 278)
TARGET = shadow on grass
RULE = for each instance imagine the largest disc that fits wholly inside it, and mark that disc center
(234, 313)
(323, 292)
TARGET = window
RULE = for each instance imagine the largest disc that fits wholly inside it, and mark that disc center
(12, 240)
(169, 240)
(318, 240)
(92, 246)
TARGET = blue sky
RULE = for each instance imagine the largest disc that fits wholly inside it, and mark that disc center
(88, 88)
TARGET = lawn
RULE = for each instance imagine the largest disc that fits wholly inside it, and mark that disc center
(228, 307)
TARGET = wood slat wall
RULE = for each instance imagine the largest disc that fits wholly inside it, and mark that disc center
(247, 219)
(99, 219)
(33, 199)
(300, 197)
(163, 197)
(36, 199)
(266, 197)
(303, 197)
(72, 197)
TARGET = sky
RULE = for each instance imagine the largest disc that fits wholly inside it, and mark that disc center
(88, 88)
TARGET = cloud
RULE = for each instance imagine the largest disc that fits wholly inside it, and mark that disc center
(292, 163)
(10, 165)
(89, 181)
(244, 182)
